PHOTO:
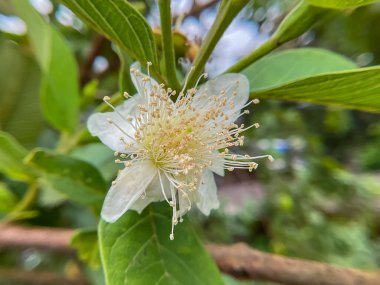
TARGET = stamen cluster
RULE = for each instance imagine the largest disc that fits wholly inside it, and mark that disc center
(182, 136)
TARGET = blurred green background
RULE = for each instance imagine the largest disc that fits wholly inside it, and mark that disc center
(319, 200)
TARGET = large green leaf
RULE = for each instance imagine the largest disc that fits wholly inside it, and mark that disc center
(11, 156)
(356, 89)
(341, 4)
(315, 76)
(76, 179)
(137, 250)
(287, 66)
(120, 22)
(59, 86)
(20, 113)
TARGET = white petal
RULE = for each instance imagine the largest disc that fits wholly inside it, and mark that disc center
(141, 204)
(228, 83)
(130, 185)
(109, 134)
(143, 87)
(153, 194)
(185, 202)
(218, 164)
(207, 193)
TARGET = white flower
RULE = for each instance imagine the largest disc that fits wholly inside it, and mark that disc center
(171, 149)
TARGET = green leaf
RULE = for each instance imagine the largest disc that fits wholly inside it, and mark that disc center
(227, 12)
(76, 179)
(7, 200)
(11, 156)
(287, 66)
(20, 112)
(300, 19)
(59, 86)
(137, 250)
(125, 80)
(120, 22)
(356, 89)
(100, 156)
(86, 243)
(49, 198)
(341, 4)
(315, 76)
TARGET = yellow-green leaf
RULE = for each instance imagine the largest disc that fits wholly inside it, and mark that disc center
(341, 4)
(59, 89)
(86, 243)
(11, 156)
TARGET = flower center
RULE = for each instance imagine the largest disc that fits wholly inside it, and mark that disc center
(184, 137)
(174, 142)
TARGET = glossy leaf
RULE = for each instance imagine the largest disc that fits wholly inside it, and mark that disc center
(120, 22)
(287, 66)
(86, 243)
(76, 179)
(59, 85)
(341, 4)
(11, 156)
(137, 250)
(356, 89)
(20, 112)
(315, 76)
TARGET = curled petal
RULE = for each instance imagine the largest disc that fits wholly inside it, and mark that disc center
(233, 87)
(207, 193)
(109, 134)
(217, 164)
(143, 83)
(130, 185)
(152, 194)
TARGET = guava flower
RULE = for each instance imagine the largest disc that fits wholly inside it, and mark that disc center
(170, 149)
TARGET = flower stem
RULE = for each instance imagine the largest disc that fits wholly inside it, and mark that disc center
(25, 203)
(167, 44)
(298, 21)
(263, 50)
(227, 12)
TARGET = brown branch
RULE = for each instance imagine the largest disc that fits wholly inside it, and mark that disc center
(197, 9)
(12, 236)
(242, 261)
(86, 68)
(18, 276)
(238, 260)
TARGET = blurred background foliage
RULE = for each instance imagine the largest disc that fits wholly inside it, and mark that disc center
(319, 200)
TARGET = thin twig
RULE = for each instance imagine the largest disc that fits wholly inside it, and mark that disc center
(167, 44)
(197, 9)
(239, 260)
(86, 68)
(12, 236)
(242, 261)
(17, 276)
